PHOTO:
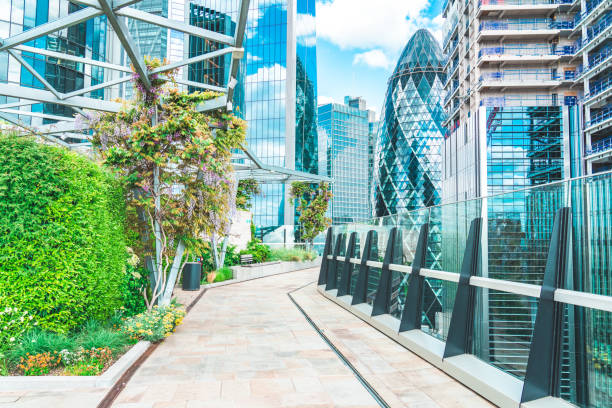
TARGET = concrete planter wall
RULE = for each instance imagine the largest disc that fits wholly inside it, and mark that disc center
(246, 272)
(64, 382)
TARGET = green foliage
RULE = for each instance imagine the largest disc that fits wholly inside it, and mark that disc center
(224, 274)
(247, 188)
(260, 252)
(292, 255)
(231, 256)
(155, 324)
(40, 342)
(62, 243)
(96, 336)
(134, 282)
(159, 141)
(86, 361)
(312, 206)
(14, 322)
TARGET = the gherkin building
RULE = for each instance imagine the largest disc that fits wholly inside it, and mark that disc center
(409, 155)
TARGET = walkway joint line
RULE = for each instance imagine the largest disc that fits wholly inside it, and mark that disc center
(381, 402)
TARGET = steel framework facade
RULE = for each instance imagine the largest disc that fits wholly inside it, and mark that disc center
(117, 12)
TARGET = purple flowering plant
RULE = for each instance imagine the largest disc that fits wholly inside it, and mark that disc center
(176, 164)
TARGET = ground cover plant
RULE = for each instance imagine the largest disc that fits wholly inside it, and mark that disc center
(90, 350)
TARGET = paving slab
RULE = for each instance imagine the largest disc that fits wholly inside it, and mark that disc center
(246, 345)
(399, 376)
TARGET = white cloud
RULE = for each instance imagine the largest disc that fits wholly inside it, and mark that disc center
(253, 58)
(363, 24)
(324, 100)
(305, 30)
(373, 58)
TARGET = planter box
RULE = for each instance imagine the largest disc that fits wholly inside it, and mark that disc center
(253, 271)
(67, 382)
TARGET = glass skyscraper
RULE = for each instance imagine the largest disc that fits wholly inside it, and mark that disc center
(346, 130)
(87, 39)
(409, 153)
(276, 92)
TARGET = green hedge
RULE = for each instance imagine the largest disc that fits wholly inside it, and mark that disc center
(62, 235)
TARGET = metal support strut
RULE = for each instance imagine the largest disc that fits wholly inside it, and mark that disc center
(460, 330)
(370, 252)
(413, 309)
(544, 363)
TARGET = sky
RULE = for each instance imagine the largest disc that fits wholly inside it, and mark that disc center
(360, 41)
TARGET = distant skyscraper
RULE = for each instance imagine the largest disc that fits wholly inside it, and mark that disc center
(409, 155)
(346, 130)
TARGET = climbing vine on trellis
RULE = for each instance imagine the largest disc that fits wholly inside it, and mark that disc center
(312, 204)
(176, 164)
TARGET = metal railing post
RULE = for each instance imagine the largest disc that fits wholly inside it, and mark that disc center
(461, 328)
(332, 271)
(325, 262)
(544, 363)
(413, 308)
(345, 276)
(383, 293)
(369, 251)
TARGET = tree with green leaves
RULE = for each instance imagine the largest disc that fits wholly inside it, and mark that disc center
(247, 188)
(312, 204)
(175, 162)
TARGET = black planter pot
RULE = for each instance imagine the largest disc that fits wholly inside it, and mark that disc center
(192, 274)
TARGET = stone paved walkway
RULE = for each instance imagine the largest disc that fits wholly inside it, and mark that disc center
(247, 345)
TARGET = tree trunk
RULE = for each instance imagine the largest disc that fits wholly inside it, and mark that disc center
(177, 264)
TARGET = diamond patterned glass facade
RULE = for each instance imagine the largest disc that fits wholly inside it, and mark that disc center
(409, 144)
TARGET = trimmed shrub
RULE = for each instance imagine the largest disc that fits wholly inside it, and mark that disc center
(260, 251)
(62, 239)
(292, 255)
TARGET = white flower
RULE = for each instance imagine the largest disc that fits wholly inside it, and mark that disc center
(33, 340)
(12, 339)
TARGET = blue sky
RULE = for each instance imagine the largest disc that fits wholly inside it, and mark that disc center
(359, 42)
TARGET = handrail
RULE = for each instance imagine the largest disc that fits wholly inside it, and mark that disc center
(526, 24)
(571, 297)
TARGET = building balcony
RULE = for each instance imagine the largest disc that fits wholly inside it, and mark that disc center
(523, 78)
(599, 91)
(599, 121)
(602, 146)
(451, 72)
(594, 10)
(519, 7)
(453, 49)
(598, 63)
(450, 33)
(525, 101)
(524, 54)
(595, 35)
(522, 28)
(451, 92)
